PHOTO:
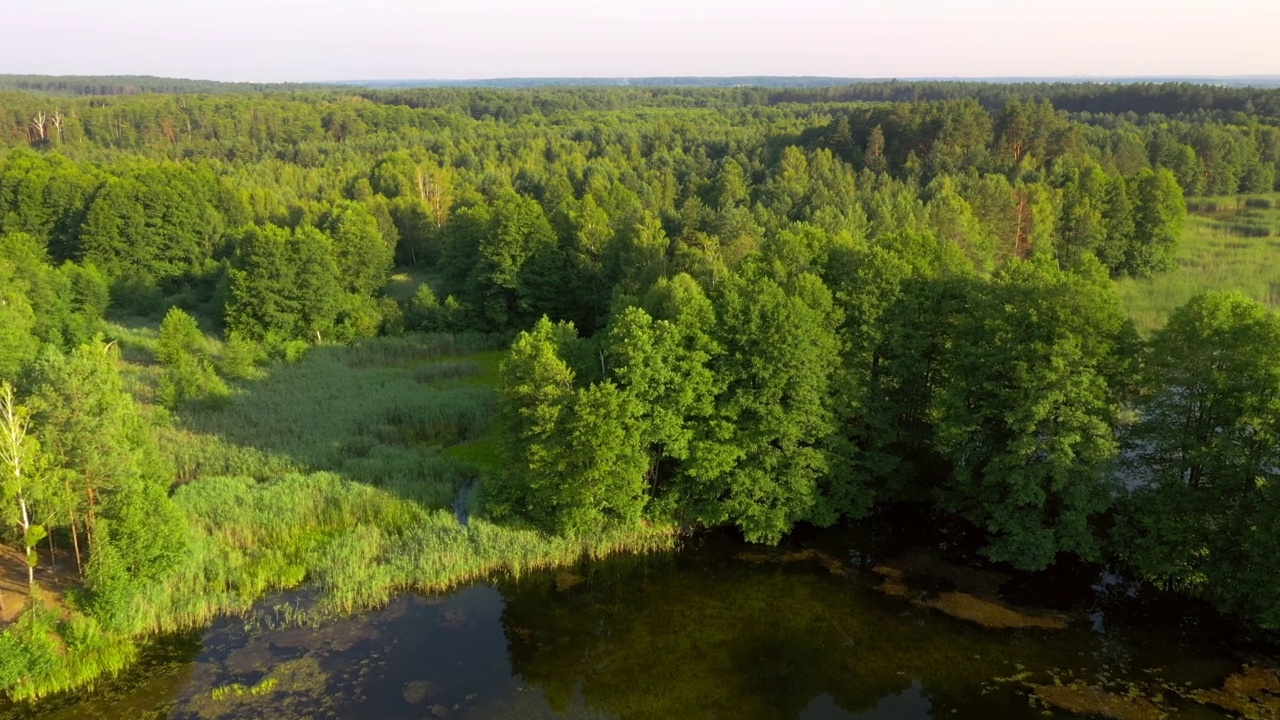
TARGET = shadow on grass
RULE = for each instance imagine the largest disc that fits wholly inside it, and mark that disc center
(409, 414)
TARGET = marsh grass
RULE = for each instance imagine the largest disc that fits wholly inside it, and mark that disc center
(358, 545)
(1227, 245)
(356, 411)
(45, 652)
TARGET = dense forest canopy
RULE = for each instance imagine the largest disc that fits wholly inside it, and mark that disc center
(750, 307)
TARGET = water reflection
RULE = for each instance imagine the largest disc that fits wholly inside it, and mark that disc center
(706, 634)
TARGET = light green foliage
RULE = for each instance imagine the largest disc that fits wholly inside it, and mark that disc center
(537, 392)
(88, 424)
(284, 286)
(1082, 225)
(189, 373)
(240, 358)
(638, 256)
(40, 655)
(179, 335)
(44, 195)
(424, 312)
(1159, 212)
(362, 254)
(1034, 372)
(663, 365)
(105, 471)
(48, 290)
(23, 476)
(1206, 453)
(953, 221)
(760, 464)
(603, 465)
(18, 343)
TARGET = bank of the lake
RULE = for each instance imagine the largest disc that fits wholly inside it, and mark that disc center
(352, 469)
(715, 629)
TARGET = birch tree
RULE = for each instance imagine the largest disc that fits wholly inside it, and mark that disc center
(19, 474)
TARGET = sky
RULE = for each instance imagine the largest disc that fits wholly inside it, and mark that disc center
(309, 40)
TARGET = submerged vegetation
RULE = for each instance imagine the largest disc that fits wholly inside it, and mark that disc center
(405, 339)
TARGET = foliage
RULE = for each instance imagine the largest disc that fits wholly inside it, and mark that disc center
(189, 373)
(1034, 372)
(1205, 451)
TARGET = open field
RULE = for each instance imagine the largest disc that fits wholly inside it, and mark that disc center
(1229, 244)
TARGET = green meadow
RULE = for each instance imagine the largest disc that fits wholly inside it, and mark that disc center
(1230, 243)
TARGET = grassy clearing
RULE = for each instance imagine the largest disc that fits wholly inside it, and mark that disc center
(404, 283)
(1227, 245)
(340, 470)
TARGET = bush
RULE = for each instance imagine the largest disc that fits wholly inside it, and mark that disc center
(189, 374)
(240, 358)
(392, 317)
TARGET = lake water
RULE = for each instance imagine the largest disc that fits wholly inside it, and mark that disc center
(718, 630)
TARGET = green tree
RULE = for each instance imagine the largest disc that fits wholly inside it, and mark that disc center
(504, 292)
(283, 285)
(18, 343)
(1159, 213)
(662, 365)
(91, 430)
(21, 477)
(1027, 417)
(364, 257)
(189, 373)
(1082, 227)
(762, 467)
(1206, 459)
(953, 221)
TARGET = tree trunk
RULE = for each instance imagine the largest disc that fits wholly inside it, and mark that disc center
(26, 531)
(75, 543)
(88, 526)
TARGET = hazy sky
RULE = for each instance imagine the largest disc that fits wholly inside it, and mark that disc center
(272, 40)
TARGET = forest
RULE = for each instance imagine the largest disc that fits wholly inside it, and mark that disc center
(683, 308)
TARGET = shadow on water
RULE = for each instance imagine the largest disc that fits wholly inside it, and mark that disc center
(717, 630)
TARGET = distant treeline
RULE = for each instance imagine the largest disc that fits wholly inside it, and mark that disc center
(137, 85)
(1139, 98)
(1258, 96)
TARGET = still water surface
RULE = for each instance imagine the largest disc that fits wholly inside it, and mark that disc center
(718, 630)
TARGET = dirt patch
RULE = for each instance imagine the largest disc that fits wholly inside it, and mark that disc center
(13, 580)
(1084, 699)
(964, 593)
(1252, 693)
